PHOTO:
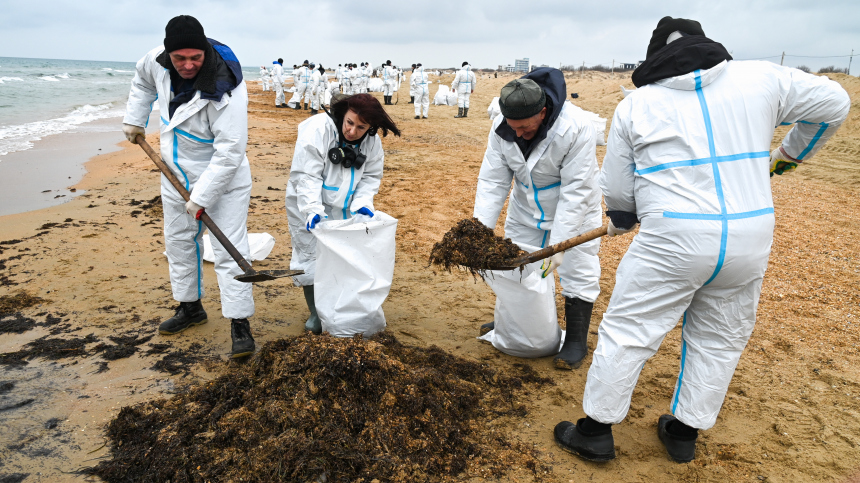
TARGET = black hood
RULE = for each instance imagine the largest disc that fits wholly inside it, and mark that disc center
(220, 73)
(681, 57)
(551, 80)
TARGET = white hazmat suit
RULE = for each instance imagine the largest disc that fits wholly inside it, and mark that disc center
(389, 77)
(419, 83)
(689, 155)
(278, 83)
(265, 78)
(464, 84)
(317, 186)
(203, 143)
(555, 196)
(302, 81)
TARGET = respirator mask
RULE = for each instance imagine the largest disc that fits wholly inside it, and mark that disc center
(347, 156)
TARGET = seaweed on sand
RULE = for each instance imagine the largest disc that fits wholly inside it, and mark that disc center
(319, 408)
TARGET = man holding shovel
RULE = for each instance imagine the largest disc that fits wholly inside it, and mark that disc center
(204, 130)
(548, 152)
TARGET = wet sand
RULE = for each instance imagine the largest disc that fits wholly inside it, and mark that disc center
(792, 412)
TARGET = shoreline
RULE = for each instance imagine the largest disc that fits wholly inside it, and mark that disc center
(48, 173)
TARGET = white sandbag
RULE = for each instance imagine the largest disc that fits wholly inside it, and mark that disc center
(294, 100)
(327, 97)
(494, 109)
(452, 98)
(375, 84)
(526, 323)
(441, 97)
(596, 121)
(354, 270)
(261, 245)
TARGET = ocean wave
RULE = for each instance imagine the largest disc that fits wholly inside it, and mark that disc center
(21, 137)
(64, 75)
(49, 78)
(125, 71)
(9, 79)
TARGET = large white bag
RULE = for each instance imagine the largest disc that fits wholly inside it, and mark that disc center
(599, 123)
(441, 97)
(494, 109)
(525, 315)
(261, 245)
(354, 269)
(375, 84)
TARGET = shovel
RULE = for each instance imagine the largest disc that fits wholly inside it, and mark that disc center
(551, 250)
(250, 274)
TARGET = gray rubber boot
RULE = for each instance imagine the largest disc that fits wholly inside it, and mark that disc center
(577, 314)
(459, 113)
(465, 111)
(313, 324)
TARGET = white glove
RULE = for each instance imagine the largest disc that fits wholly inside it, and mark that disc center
(131, 132)
(612, 230)
(193, 209)
(780, 162)
(551, 263)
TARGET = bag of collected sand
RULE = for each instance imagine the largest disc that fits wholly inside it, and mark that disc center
(494, 109)
(354, 270)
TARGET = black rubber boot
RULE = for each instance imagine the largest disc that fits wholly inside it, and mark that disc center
(485, 328)
(465, 111)
(314, 111)
(411, 99)
(298, 107)
(587, 439)
(188, 314)
(459, 113)
(577, 313)
(417, 117)
(678, 438)
(313, 324)
(243, 342)
(284, 104)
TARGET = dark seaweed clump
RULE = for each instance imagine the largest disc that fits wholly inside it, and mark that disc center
(49, 348)
(10, 304)
(473, 245)
(319, 408)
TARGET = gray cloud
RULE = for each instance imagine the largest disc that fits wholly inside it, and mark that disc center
(442, 33)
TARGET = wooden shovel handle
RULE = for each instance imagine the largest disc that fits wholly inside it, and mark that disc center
(560, 247)
(204, 217)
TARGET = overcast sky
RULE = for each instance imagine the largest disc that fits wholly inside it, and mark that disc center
(437, 33)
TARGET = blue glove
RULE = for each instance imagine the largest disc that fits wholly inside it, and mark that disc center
(313, 219)
(363, 215)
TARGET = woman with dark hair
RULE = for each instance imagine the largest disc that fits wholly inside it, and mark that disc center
(336, 172)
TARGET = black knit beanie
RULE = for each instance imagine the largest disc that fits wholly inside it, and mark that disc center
(184, 32)
(521, 99)
(664, 29)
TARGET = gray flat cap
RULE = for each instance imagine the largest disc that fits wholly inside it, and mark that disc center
(521, 99)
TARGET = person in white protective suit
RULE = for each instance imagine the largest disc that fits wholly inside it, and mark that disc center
(464, 85)
(389, 77)
(347, 79)
(335, 174)
(689, 157)
(265, 78)
(204, 131)
(317, 86)
(364, 75)
(411, 89)
(302, 80)
(542, 145)
(419, 82)
(338, 74)
(278, 82)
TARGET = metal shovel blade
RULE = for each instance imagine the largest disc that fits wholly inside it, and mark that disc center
(265, 275)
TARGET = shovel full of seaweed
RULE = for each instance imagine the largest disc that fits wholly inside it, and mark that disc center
(474, 246)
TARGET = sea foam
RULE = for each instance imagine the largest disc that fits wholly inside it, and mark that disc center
(21, 137)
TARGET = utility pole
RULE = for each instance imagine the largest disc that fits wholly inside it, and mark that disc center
(582, 71)
(782, 59)
(613, 68)
(849, 61)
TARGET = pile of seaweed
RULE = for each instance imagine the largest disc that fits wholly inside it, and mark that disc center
(319, 408)
(473, 245)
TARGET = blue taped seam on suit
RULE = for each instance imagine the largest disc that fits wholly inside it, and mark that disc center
(717, 217)
(537, 202)
(815, 139)
(176, 161)
(543, 242)
(330, 188)
(150, 111)
(702, 161)
(683, 361)
(350, 192)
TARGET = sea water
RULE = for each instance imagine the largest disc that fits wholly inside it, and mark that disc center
(43, 97)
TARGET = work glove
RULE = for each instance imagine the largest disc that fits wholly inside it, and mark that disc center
(551, 263)
(131, 132)
(613, 230)
(363, 215)
(312, 221)
(193, 209)
(780, 162)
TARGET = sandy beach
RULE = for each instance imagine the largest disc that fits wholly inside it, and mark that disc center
(792, 413)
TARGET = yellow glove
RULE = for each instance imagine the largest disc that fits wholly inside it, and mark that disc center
(551, 263)
(782, 163)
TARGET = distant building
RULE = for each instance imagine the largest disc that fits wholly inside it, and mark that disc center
(537, 67)
(624, 66)
(521, 65)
